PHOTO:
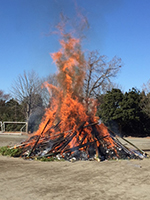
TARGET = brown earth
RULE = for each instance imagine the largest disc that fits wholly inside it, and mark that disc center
(82, 180)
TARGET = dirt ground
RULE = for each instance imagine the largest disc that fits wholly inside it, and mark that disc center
(82, 180)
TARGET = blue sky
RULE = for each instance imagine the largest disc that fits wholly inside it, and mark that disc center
(116, 28)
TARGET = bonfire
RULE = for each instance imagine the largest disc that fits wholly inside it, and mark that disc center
(70, 128)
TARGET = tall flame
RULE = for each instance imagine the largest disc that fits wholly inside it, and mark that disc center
(68, 107)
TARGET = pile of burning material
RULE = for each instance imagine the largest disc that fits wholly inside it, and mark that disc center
(90, 141)
(70, 128)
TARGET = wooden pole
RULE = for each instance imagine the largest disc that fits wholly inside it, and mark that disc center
(38, 138)
(129, 143)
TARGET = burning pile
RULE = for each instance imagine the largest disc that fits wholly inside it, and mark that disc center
(87, 142)
(70, 128)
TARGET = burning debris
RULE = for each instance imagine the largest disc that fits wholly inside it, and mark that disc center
(100, 144)
(70, 127)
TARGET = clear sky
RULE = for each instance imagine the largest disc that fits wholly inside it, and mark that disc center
(116, 28)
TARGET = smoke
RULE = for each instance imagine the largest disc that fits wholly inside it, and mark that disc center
(115, 128)
(35, 119)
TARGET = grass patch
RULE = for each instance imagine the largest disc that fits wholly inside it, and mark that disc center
(6, 151)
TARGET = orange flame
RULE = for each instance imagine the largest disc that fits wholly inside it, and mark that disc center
(67, 105)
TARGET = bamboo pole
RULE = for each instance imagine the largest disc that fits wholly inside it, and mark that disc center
(38, 138)
(140, 150)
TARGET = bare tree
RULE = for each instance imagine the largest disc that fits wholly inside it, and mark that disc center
(3, 96)
(99, 74)
(27, 91)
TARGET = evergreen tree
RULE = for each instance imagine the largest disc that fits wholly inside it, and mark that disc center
(3, 99)
(110, 110)
(13, 113)
(124, 112)
(131, 112)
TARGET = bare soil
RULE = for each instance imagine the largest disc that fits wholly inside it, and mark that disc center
(82, 180)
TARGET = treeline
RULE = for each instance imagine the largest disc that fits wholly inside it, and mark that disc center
(126, 113)
(13, 111)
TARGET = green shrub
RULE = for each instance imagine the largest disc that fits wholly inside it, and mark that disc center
(6, 151)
